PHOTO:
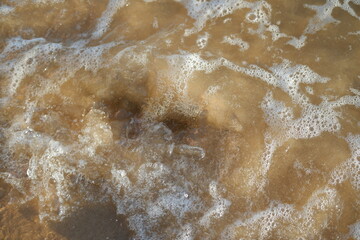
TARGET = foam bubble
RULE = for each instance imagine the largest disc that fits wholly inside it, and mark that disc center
(186, 233)
(18, 69)
(221, 205)
(232, 40)
(157, 174)
(4, 10)
(203, 11)
(355, 230)
(324, 16)
(297, 42)
(106, 18)
(202, 40)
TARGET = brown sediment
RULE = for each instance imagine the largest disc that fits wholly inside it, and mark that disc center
(141, 119)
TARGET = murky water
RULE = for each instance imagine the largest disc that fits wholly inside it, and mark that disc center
(220, 119)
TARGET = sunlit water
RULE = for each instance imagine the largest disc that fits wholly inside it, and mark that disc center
(220, 119)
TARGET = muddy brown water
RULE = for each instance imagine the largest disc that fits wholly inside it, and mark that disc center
(188, 119)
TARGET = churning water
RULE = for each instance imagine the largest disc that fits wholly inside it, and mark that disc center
(187, 119)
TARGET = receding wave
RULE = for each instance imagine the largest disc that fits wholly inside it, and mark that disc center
(187, 119)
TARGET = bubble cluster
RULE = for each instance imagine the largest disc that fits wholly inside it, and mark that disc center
(232, 40)
(191, 132)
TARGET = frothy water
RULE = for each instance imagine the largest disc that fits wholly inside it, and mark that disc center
(193, 119)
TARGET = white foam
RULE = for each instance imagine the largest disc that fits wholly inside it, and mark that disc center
(353, 164)
(265, 220)
(270, 146)
(203, 11)
(314, 119)
(309, 90)
(187, 233)
(120, 178)
(202, 40)
(297, 42)
(156, 183)
(106, 18)
(221, 205)
(233, 40)
(5, 10)
(355, 230)
(354, 33)
(96, 133)
(260, 13)
(184, 65)
(26, 64)
(323, 15)
(177, 203)
(304, 223)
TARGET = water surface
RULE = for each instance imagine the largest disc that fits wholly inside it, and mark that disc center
(187, 119)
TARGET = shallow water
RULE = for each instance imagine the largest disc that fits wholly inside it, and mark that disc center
(179, 119)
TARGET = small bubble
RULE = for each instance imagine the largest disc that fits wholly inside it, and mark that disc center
(29, 61)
